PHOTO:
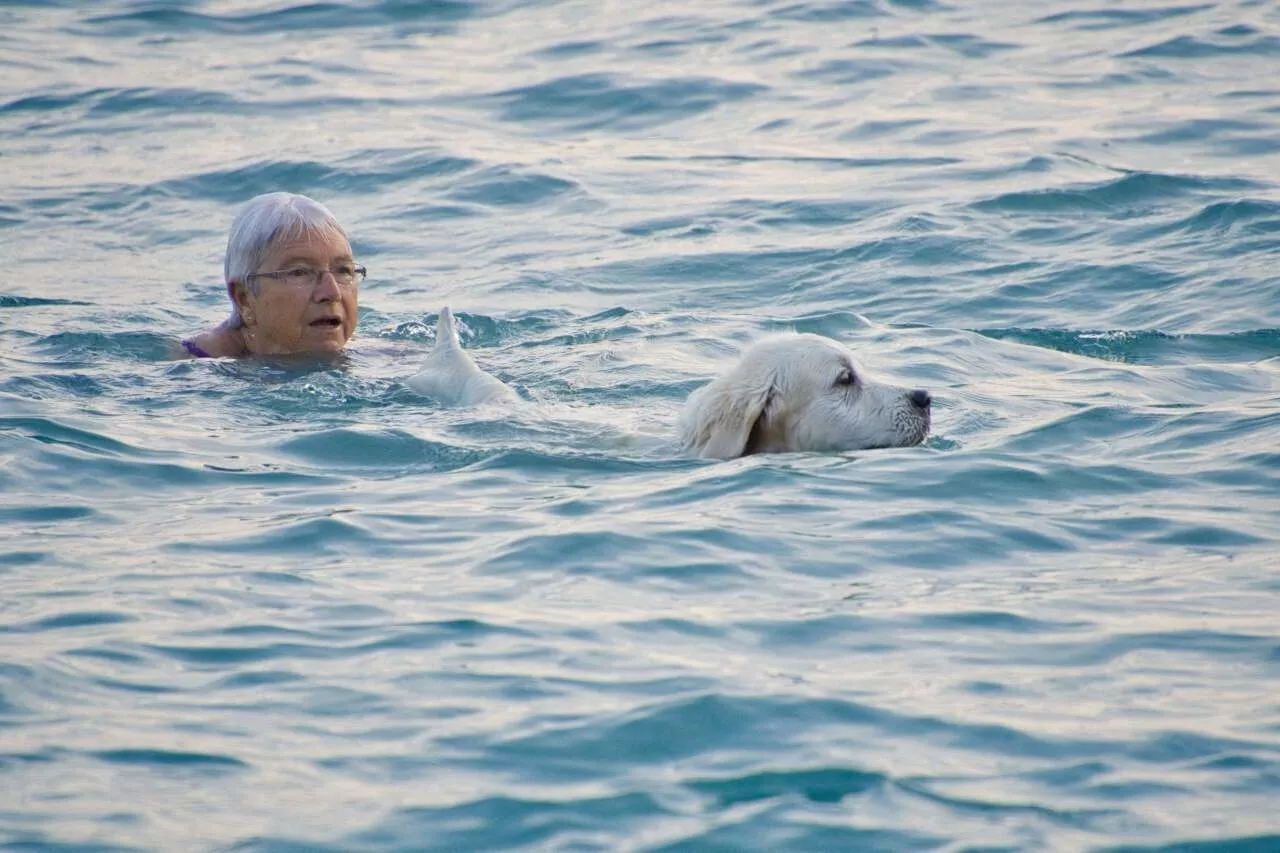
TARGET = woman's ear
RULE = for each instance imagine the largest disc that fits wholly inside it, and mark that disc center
(239, 293)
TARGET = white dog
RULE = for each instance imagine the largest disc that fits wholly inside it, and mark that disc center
(450, 375)
(799, 392)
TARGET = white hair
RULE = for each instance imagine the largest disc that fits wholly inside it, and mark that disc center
(265, 219)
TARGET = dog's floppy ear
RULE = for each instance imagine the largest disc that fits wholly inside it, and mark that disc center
(728, 417)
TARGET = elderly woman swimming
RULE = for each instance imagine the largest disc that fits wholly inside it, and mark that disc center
(292, 281)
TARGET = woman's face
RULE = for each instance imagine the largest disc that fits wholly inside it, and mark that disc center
(283, 316)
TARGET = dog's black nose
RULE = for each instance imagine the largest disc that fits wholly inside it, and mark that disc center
(920, 398)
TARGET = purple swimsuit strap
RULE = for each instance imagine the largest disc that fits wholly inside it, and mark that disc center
(195, 350)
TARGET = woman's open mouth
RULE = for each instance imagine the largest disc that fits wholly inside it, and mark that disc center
(326, 322)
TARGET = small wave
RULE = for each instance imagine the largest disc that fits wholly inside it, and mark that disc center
(995, 621)
(604, 102)
(571, 49)
(22, 558)
(257, 679)
(1106, 19)
(819, 785)
(1233, 42)
(971, 46)
(499, 823)
(1197, 130)
(818, 274)
(94, 109)
(391, 451)
(1222, 844)
(162, 759)
(65, 621)
(12, 301)
(436, 212)
(523, 459)
(224, 652)
(49, 431)
(678, 560)
(829, 12)
(49, 102)
(503, 187)
(327, 535)
(475, 330)
(832, 324)
(852, 72)
(1149, 347)
(325, 17)
(759, 213)
(1211, 536)
(824, 162)
(1087, 653)
(366, 171)
(240, 184)
(1247, 217)
(691, 725)
(92, 347)
(687, 33)
(118, 101)
(1135, 192)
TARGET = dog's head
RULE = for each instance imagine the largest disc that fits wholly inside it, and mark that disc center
(800, 393)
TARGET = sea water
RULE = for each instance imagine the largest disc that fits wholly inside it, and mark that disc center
(287, 606)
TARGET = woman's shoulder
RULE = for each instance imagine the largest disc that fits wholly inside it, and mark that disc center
(194, 349)
(218, 342)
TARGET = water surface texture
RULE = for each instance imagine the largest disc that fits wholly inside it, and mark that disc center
(282, 607)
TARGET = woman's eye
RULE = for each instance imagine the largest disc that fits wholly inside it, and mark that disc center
(345, 270)
(299, 275)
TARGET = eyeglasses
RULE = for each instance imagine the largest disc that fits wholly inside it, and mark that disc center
(346, 275)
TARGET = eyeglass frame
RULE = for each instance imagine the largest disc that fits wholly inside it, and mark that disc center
(358, 270)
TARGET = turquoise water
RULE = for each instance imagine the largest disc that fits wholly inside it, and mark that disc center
(285, 607)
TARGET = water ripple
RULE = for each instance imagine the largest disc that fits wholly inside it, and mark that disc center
(302, 17)
(603, 101)
(290, 604)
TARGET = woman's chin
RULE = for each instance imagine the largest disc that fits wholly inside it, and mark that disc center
(307, 349)
(323, 340)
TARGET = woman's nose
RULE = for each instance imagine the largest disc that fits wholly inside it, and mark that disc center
(326, 289)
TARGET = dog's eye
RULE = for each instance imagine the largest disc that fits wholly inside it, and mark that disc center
(846, 378)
